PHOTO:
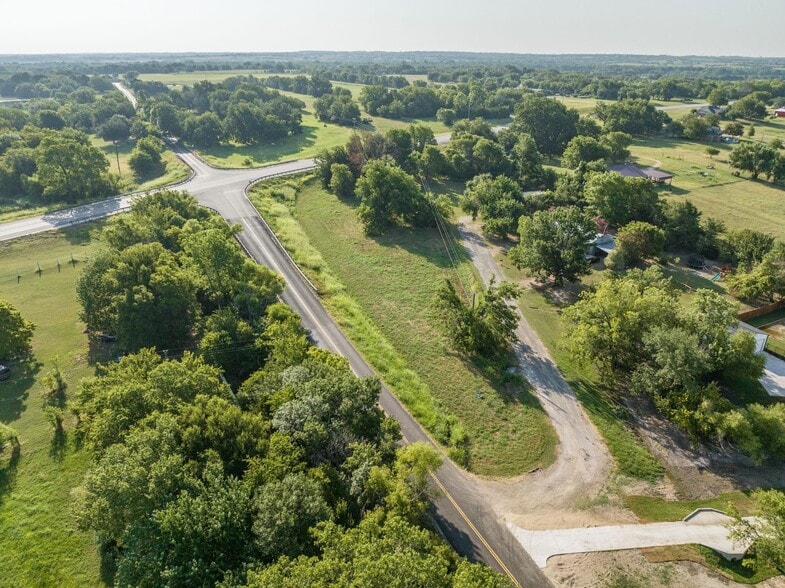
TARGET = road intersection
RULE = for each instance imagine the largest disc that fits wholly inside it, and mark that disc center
(463, 513)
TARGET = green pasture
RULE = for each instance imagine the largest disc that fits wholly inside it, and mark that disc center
(39, 544)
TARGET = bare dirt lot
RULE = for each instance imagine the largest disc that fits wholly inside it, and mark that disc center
(630, 569)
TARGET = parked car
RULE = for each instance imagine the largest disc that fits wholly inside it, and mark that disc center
(5, 372)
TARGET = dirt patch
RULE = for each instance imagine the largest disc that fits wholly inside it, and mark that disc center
(776, 329)
(700, 471)
(630, 568)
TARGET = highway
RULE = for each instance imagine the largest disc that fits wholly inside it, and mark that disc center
(461, 513)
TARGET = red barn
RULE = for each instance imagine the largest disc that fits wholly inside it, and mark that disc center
(780, 112)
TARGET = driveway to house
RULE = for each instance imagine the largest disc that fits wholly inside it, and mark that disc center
(704, 527)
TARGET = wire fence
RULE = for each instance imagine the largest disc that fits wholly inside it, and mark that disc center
(43, 268)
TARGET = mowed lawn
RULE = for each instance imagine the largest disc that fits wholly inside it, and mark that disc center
(174, 169)
(741, 203)
(315, 136)
(391, 280)
(39, 544)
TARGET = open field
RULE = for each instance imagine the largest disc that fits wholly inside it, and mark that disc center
(191, 77)
(657, 510)
(708, 182)
(380, 291)
(39, 544)
(586, 105)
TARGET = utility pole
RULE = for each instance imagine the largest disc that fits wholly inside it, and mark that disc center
(117, 157)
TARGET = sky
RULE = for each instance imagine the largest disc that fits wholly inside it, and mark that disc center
(673, 27)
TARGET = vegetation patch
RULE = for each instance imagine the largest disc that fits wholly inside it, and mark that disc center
(381, 292)
(710, 559)
(650, 509)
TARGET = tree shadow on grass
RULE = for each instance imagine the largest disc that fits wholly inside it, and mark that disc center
(58, 446)
(270, 151)
(8, 467)
(424, 242)
(15, 391)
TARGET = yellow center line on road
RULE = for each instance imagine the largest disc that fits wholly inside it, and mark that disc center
(476, 531)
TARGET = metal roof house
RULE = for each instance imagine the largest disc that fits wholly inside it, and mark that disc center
(629, 170)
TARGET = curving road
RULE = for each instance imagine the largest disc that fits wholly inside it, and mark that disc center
(462, 514)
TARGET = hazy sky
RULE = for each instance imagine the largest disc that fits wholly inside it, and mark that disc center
(675, 27)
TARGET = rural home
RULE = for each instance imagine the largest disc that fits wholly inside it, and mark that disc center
(780, 112)
(629, 170)
(709, 110)
(601, 246)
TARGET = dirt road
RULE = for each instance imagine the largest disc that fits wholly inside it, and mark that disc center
(547, 498)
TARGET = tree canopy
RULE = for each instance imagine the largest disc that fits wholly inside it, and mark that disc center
(554, 243)
(16, 333)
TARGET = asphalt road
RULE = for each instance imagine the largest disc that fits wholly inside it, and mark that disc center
(461, 513)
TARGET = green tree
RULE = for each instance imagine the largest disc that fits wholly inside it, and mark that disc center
(8, 436)
(117, 128)
(734, 128)
(554, 243)
(616, 144)
(194, 540)
(16, 333)
(633, 116)
(341, 180)
(755, 158)
(749, 106)
(717, 97)
(767, 531)
(203, 130)
(484, 327)
(620, 200)
(389, 196)
(499, 201)
(49, 119)
(748, 246)
(69, 168)
(682, 224)
(637, 241)
(548, 121)
(607, 325)
(145, 158)
(583, 149)
(712, 151)
(695, 127)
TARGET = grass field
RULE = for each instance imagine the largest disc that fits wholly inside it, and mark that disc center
(708, 182)
(657, 510)
(174, 169)
(586, 105)
(39, 545)
(380, 291)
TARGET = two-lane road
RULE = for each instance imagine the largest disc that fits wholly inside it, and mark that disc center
(462, 514)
